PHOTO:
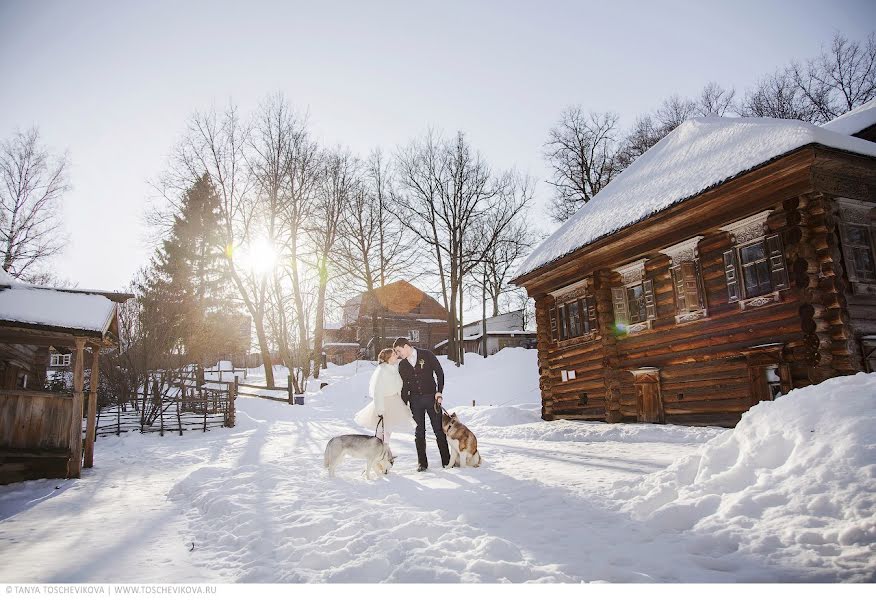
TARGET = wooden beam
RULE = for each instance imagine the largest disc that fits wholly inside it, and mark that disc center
(74, 467)
(38, 337)
(92, 408)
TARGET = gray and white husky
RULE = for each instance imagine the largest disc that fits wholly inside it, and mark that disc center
(372, 449)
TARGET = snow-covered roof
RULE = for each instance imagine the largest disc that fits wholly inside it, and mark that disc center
(477, 336)
(699, 154)
(854, 121)
(86, 311)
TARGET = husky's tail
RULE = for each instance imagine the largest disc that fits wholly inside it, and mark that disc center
(476, 459)
(325, 460)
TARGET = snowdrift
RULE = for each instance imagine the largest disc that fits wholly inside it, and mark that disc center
(794, 481)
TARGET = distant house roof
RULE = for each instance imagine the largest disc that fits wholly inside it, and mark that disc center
(397, 298)
(854, 121)
(80, 312)
(698, 155)
(477, 336)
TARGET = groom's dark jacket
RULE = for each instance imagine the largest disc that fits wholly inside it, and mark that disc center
(420, 380)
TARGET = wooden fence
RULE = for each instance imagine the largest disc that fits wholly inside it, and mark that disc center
(171, 403)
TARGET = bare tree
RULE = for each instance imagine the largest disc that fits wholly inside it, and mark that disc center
(33, 184)
(216, 145)
(715, 100)
(839, 79)
(340, 181)
(374, 246)
(778, 97)
(582, 152)
(500, 260)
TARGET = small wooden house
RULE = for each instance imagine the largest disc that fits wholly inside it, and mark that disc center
(374, 319)
(41, 431)
(503, 331)
(733, 261)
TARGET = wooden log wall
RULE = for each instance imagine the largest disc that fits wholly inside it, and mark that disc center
(711, 369)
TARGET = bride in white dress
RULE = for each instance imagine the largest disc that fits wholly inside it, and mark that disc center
(385, 389)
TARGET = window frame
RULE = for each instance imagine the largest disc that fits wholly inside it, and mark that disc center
(60, 360)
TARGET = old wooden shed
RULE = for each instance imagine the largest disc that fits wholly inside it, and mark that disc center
(41, 431)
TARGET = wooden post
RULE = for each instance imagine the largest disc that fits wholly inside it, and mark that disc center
(178, 419)
(203, 395)
(74, 466)
(92, 407)
(230, 414)
(289, 387)
(159, 401)
(118, 419)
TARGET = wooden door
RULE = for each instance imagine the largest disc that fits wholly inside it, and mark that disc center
(648, 397)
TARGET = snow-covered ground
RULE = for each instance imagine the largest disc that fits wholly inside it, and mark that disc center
(787, 496)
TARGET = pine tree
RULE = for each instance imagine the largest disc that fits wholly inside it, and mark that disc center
(187, 295)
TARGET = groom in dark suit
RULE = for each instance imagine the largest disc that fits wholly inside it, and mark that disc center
(422, 384)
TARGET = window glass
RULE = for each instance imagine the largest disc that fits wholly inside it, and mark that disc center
(752, 253)
(755, 270)
(636, 303)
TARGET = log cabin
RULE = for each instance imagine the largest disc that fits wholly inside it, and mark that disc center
(373, 319)
(731, 262)
(41, 431)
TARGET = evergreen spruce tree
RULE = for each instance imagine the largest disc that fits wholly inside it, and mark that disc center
(187, 295)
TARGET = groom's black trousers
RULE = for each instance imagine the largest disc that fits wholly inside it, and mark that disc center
(420, 407)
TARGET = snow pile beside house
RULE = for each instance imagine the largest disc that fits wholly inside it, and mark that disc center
(699, 154)
(795, 481)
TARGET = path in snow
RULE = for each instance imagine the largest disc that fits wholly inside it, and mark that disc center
(553, 502)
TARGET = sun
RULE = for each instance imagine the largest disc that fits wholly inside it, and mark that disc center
(259, 256)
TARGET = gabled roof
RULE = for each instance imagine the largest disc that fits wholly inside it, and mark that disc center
(854, 121)
(698, 155)
(85, 312)
(399, 297)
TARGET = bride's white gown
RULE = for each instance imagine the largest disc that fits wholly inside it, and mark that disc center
(385, 389)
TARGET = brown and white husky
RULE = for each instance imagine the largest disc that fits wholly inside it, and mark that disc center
(462, 442)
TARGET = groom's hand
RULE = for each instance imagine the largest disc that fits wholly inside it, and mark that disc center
(438, 397)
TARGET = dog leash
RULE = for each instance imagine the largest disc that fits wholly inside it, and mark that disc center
(379, 421)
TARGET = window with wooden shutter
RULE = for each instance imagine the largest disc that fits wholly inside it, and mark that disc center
(731, 273)
(858, 252)
(650, 303)
(756, 272)
(619, 302)
(778, 270)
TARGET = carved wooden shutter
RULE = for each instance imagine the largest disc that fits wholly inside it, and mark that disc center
(777, 262)
(555, 335)
(731, 270)
(678, 283)
(619, 301)
(590, 304)
(691, 285)
(650, 303)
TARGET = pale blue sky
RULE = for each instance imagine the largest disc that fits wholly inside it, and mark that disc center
(113, 82)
